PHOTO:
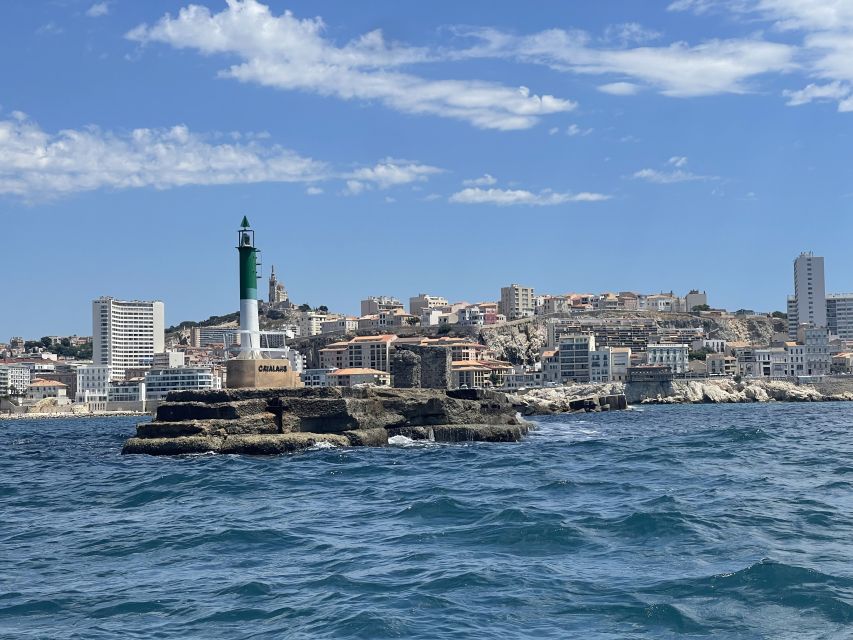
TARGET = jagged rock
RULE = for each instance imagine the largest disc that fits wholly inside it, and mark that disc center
(479, 433)
(413, 433)
(367, 437)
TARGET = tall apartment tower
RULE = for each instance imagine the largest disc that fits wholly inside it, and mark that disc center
(126, 333)
(517, 302)
(809, 302)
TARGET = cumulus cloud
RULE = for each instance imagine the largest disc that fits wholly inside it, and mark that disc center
(98, 9)
(509, 197)
(289, 53)
(484, 181)
(575, 130)
(36, 164)
(391, 173)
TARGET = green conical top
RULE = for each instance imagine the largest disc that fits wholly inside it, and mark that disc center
(245, 223)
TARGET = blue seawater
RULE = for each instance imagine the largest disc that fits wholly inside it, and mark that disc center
(728, 521)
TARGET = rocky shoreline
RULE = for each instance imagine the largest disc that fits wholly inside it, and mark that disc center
(706, 391)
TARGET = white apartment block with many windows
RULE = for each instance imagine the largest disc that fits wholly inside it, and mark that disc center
(159, 382)
(92, 384)
(14, 379)
(808, 305)
(675, 356)
(126, 333)
(839, 315)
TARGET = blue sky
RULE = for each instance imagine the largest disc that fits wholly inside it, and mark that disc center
(404, 147)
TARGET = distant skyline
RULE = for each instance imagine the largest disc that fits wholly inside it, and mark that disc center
(447, 148)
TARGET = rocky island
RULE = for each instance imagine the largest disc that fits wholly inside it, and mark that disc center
(272, 421)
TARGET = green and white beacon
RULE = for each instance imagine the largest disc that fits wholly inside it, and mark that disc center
(250, 336)
(252, 369)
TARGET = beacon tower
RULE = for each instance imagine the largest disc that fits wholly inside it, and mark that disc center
(250, 337)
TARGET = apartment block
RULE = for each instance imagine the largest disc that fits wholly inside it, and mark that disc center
(517, 302)
(377, 304)
(674, 356)
(423, 302)
(126, 333)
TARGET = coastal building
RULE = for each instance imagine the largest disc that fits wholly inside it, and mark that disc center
(316, 377)
(634, 333)
(574, 357)
(517, 302)
(14, 379)
(92, 385)
(470, 316)
(42, 389)
(376, 304)
(126, 333)
(720, 365)
(717, 346)
(839, 315)
(424, 302)
(310, 323)
(353, 376)
(555, 304)
(809, 301)
(620, 361)
(126, 395)
(600, 364)
(159, 382)
(168, 360)
(674, 356)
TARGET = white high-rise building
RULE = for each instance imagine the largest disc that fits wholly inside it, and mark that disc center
(839, 315)
(126, 333)
(809, 293)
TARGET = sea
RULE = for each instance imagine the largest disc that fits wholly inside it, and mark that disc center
(712, 521)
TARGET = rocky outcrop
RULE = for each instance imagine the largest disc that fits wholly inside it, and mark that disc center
(271, 421)
(559, 399)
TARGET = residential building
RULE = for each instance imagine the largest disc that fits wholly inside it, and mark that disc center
(334, 356)
(809, 303)
(719, 364)
(350, 377)
(42, 389)
(839, 315)
(168, 360)
(424, 302)
(310, 323)
(370, 352)
(695, 299)
(675, 356)
(92, 385)
(224, 335)
(159, 382)
(344, 325)
(316, 377)
(609, 332)
(376, 304)
(517, 302)
(14, 379)
(574, 357)
(470, 316)
(551, 366)
(126, 395)
(717, 346)
(600, 364)
(620, 361)
(555, 304)
(126, 333)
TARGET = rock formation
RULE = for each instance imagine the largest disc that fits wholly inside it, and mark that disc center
(269, 421)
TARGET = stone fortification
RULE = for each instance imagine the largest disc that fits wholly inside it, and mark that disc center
(267, 421)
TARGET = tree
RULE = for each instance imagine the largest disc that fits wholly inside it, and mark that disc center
(779, 314)
(444, 329)
(323, 309)
(305, 307)
(46, 342)
(413, 321)
(700, 354)
(701, 307)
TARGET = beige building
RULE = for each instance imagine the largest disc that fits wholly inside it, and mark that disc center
(423, 302)
(517, 302)
(376, 304)
(358, 375)
(40, 389)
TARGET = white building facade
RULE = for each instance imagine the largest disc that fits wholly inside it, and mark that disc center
(675, 356)
(126, 333)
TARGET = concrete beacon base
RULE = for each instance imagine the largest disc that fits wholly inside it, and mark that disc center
(261, 374)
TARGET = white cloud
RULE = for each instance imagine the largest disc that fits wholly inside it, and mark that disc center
(288, 53)
(484, 181)
(629, 33)
(35, 163)
(678, 69)
(314, 191)
(390, 200)
(671, 176)
(620, 88)
(98, 9)
(815, 92)
(508, 197)
(678, 161)
(574, 130)
(390, 173)
(553, 130)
